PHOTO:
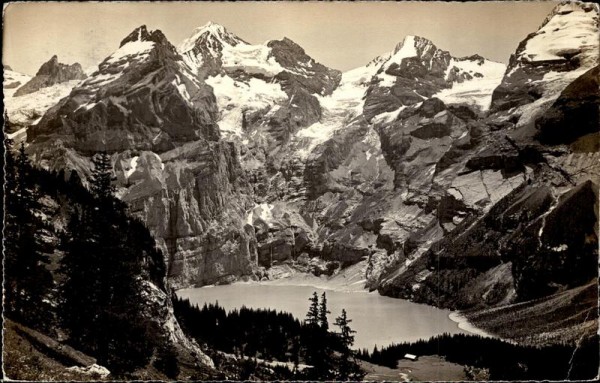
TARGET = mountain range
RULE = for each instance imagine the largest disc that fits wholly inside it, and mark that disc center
(453, 181)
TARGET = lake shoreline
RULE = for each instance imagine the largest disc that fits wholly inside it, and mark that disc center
(343, 285)
(322, 283)
(354, 286)
(466, 325)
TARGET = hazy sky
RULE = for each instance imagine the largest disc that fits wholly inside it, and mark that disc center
(341, 35)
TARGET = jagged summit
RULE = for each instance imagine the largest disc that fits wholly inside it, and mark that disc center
(418, 46)
(414, 41)
(404, 49)
(50, 73)
(53, 67)
(212, 35)
(141, 34)
(121, 96)
(138, 34)
(212, 27)
(417, 70)
(408, 41)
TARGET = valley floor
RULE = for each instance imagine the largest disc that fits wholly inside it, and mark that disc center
(426, 368)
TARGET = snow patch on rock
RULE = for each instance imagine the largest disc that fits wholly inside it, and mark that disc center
(133, 50)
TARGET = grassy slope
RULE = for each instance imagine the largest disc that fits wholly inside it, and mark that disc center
(26, 357)
(559, 318)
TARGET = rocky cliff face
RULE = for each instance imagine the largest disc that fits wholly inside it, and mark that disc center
(541, 157)
(143, 89)
(146, 107)
(51, 73)
(433, 172)
(56, 205)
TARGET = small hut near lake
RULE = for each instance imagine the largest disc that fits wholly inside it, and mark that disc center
(411, 357)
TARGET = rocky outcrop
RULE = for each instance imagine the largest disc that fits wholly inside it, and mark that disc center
(574, 114)
(170, 165)
(189, 199)
(546, 256)
(516, 252)
(301, 71)
(50, 73)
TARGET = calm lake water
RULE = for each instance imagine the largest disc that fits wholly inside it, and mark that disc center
(378, 320)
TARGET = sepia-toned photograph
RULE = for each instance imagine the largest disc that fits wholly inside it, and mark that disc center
(300, 191)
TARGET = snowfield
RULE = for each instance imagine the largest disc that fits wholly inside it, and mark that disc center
(569, 31)
(253, 59)
(236, 97)
(477, 91)
(13, 81)
(29, 108)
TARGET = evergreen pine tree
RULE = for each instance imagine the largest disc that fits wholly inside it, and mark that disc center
(105, 255)
(323, 323)
(102, 177)
(316, 341)
(312, 317)
(311, 337)
(80, 290)
(348, 368)
(27, 280)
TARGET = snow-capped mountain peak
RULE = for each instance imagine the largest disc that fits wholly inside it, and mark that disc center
(548, 60)
(412, 50)
(417, 70)
(408, 42)
(213, 36)
(204, 49)
(135, 48)
(406, 48)
(474, 79)
(568, 31)
(213, 28)
(140, 34)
